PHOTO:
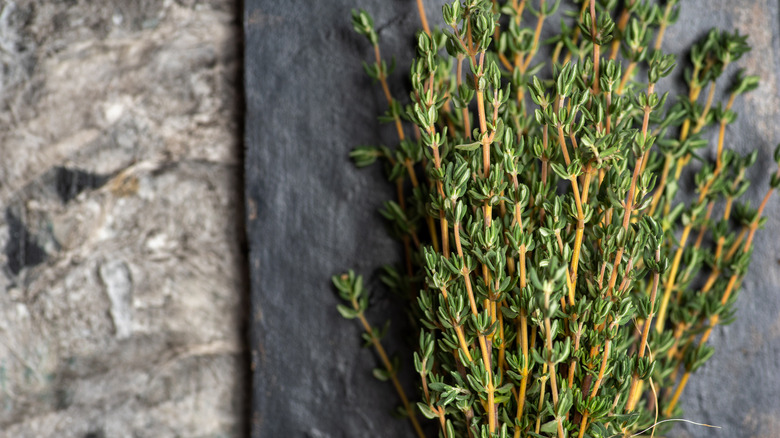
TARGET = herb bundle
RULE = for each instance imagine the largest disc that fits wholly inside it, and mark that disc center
(560, 286)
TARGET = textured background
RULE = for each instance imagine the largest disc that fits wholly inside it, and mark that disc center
(312, 214)
(123, 283)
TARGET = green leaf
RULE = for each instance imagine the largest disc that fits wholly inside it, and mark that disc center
(347, 312)
(549, 427)
(469, 146)
(427, 411)
(559, 170)
(381, 374)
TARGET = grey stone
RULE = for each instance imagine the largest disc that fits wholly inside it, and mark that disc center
(119, 288)
(123, 281)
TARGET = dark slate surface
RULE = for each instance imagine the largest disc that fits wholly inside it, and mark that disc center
(312, 214)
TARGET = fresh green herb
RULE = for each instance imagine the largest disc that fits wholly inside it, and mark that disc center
(560, 287)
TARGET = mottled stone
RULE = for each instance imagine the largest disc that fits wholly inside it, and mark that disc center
(122, 292)
(119, 288)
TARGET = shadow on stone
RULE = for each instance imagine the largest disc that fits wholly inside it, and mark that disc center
(21, 250)
(70, 182)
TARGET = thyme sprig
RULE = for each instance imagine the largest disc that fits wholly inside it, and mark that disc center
(553, 272)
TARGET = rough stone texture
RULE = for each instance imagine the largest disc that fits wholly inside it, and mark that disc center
(312, 214)
(122, 292)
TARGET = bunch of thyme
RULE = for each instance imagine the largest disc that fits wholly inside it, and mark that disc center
(560, 285)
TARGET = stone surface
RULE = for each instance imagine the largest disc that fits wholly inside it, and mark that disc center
(122, 293)
(312, 214)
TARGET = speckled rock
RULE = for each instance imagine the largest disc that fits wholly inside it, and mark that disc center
(122, 292)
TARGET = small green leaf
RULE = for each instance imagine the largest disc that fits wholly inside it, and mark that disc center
(381, 374)
(347, 312)
(550, 427)
(469, 146)
(427, 411)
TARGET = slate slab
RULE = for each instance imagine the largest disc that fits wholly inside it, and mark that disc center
(311, 214)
